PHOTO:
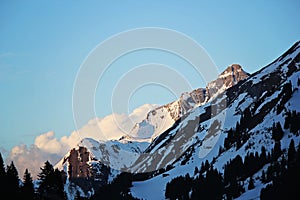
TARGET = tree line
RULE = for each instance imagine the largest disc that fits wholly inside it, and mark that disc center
(51, 182)
(49, 185)
(282, 177)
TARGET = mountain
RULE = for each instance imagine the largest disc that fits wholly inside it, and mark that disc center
(88, 159)
(252, 115)
(231, 133)
(162, 118)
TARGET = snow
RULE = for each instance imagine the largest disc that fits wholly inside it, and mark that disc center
(267, 100)
(124, 152)
(162, 118)
(117, 154)
(208, 148)
(276, 65)
(148, 189)
(157, 121)
(251, 194)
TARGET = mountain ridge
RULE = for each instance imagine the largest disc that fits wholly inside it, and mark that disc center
(250, 107)
(170, 112)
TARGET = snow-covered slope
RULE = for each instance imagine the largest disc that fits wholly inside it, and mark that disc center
(195, 128)
(263, 99)
(112, 153)
(94, 163)
(162, 118)
(120, 155)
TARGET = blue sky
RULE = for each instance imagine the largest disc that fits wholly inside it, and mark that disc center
(43, 44)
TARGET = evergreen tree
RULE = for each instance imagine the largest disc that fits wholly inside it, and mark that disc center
(27, 189)
(45, 177)
(51, 183)
(12, 180)
(117, 190)
(234, 189)
(277, 132)
(263, 156)
(206, 165)
(277, 150)
(202, 168)
(179, 188)
(2, 168)
(251, 184)
(294, 122)
(2, 176)
(196, 171)
(263, 177)
(59, 184)
(285, 183)
(291, 153)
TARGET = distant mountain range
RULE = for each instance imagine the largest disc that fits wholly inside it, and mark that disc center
(237, 116)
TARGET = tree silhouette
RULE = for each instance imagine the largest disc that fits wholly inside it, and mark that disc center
(2, 167)
(277, 150)
(251, 184)
(51, 183)
(27, 189)
(291, 153)
(277, 132)
(2, 176)
(12, 180)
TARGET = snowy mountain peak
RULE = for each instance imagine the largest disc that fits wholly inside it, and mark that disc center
(228, 78)
(234, 73)
(162, 118)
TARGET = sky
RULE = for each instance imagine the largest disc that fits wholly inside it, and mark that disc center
(43, 44)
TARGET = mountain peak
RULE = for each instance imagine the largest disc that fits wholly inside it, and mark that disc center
(234, 70)
(162, 118)
(228, 78)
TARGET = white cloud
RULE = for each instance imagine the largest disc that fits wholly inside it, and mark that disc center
(48, 143)
(31, 158)
(47, 147)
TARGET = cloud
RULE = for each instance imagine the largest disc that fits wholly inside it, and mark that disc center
(47, 147)
(31, 158)
(48, 143)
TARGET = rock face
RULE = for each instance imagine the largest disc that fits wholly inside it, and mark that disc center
(84, 171)
(228, 78)
(78, 160)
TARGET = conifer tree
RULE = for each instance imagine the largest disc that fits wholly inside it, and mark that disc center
(277, 132)
(12, 180)
(51, 183)
(277, 150)
(27, 189)
(291, 153)
(263, 156)
(2, 176)
(263, 177)
(2, 167)
(251, 184)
